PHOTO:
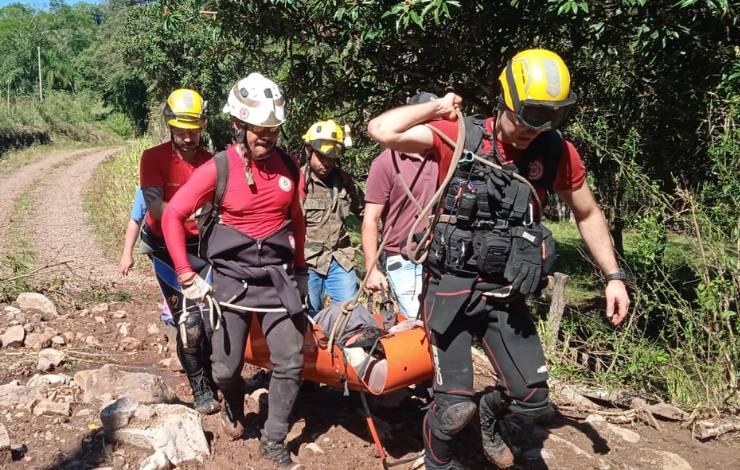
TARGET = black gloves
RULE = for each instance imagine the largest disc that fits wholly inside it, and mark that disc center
(524, 266)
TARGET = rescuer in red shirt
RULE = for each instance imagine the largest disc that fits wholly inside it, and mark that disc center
(163, 170)
(489, 250)
(256, 251)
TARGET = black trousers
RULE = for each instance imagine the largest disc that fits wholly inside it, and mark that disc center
(511, 344)
(284, 335)
(194, 358)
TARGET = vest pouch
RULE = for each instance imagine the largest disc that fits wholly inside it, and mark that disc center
(459, 248)
(451, 195)
(549, 253)
(437, 252)
(492, 250)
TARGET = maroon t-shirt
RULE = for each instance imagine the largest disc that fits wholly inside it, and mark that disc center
(383, 187)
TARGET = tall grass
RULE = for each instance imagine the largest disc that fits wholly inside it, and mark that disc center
(108, 199)
(681, 341)
(60, 116)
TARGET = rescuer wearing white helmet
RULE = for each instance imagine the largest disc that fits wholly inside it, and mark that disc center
(255, 245)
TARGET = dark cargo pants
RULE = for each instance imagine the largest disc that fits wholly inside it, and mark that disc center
(284, 335)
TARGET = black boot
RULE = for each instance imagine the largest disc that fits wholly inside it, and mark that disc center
(203, 397)
(493, 431)
(276, 451)
(453, 464)
(232, 413)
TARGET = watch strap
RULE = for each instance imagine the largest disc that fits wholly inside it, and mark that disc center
(617, 276)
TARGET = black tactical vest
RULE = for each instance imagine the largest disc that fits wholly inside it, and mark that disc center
(474, 238)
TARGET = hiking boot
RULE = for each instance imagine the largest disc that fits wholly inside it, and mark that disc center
(493, 435)
(453, 464)
(203, 397)
(232, 415)
(276, 451)
(261, 379)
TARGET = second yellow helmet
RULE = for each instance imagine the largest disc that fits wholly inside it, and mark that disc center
(328, 138)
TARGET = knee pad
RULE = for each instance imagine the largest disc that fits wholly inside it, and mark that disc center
(450, 414)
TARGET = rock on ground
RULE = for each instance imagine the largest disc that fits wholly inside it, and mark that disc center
(13, 394)
(142, 387)
(117, 414)
(156, 461)
(38, 341)
(38, 380)
(13, 337)
(49, 407)
(174, 430)
(49, 359)
(6, 455)
(36, 301)
(663, 460)
(598, 422)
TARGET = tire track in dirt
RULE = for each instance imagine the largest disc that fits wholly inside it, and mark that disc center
(16, 182)
(59, 230)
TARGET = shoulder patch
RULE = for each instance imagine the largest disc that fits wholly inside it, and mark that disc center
(536, 170)
(285, 183)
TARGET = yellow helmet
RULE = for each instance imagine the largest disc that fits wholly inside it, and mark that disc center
(185, 109)
(328, 138)
(535, 85)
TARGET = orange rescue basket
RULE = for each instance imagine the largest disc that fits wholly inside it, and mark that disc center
(407, 362)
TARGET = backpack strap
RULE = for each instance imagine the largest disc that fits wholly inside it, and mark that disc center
(222, 179)
(475, 131)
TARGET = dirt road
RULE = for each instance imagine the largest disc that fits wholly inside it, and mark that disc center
(331, 423)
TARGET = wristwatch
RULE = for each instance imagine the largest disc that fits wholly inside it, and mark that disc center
(617, 276)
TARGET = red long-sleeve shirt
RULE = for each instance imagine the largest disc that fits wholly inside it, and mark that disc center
(257, 210)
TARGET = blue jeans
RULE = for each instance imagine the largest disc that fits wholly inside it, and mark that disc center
(404, 278)
(341, 285)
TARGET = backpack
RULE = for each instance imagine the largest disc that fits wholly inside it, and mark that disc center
(208, 215)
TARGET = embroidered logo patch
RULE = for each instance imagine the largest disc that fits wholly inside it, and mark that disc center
(284, 183)
(244, 113)
(536, 170)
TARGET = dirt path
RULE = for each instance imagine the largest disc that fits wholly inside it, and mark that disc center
(328, 430)
(60, 231)
(15, 183)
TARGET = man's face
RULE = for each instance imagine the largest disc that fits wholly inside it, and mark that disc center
(261, 140)
(321, 165)
(186, 140)
(514, 132)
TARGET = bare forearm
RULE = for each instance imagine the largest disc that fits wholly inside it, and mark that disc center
(129, 240)
(595, 233)
(399, 128)
(369, 240)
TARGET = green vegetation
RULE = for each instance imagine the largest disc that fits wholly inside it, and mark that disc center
(108, 198)
(17, 255)
(659, 98)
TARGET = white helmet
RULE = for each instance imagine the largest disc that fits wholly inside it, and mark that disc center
(256, 100)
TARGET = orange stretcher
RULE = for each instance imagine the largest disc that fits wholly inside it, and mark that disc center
(407, 362)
